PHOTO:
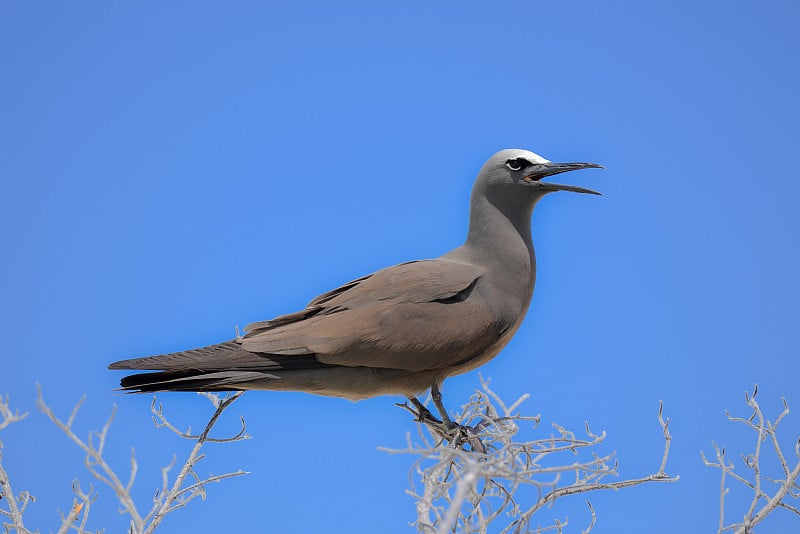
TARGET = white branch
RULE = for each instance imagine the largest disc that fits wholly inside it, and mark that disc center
(16, 503)
(94, 460)
(169, 498)
(764, 430)
(469, 489)
(177, 495)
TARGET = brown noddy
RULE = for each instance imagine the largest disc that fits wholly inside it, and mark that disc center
(401, 330)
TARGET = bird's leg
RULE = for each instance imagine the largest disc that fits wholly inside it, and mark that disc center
(436, 396)
(455, 433)
(423, 414)
(460, 433)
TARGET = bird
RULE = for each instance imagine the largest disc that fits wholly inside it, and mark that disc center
(401, 330)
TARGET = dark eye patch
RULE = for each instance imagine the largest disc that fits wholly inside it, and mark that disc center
(517, 164)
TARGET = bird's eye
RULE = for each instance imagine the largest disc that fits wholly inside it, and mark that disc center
(515, 164)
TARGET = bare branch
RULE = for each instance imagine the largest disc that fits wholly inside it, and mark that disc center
(94, 460)
(466, 490)
(79, 510)
(594, 519)
(16, 503)
(9, 416)
(177, 495)
(764, 430)
(169, 498)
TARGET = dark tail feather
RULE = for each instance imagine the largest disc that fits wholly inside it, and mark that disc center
(190, 380)
(220, 356)
(222, 367)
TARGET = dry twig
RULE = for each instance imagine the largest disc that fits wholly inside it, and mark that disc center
(784, 487)
(180, 494)
(15, 504)
(466, 491)
(186, 486)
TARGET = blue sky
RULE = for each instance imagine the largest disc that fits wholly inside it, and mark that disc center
(172, 170)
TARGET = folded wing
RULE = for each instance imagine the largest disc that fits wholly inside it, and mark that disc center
(414, 316)
(417, 316)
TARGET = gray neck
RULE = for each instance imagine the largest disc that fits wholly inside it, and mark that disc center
(501, 228)
(499, 239)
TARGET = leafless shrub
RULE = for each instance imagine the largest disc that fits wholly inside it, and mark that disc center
(187, 484)
(503, 481)
(15, 504)
(466, 491)
(769, 493)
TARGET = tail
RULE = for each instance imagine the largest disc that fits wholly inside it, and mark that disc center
(222, 367)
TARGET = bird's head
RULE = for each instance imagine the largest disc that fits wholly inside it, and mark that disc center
(512, 171)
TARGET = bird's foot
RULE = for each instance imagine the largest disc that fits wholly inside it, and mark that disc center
(467, 435)
(456, 434)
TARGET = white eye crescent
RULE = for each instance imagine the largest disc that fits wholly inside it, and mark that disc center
(514, 164)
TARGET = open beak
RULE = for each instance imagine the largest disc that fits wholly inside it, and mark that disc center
(540, 170)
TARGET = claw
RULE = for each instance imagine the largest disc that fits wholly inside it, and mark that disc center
(455, 433)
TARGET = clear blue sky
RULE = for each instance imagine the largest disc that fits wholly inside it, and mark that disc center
(171, 170)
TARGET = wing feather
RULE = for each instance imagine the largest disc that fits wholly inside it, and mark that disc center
(414, 316)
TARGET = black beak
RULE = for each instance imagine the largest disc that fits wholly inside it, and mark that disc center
(540, 170)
